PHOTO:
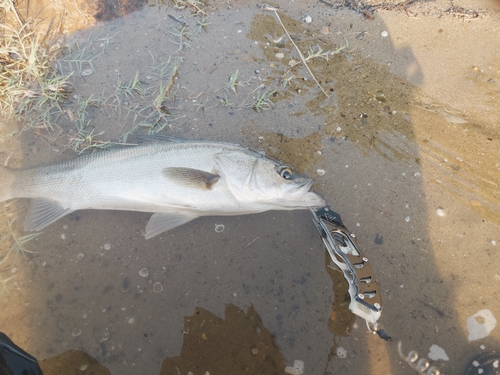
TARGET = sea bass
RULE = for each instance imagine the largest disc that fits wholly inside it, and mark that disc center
(178, 180)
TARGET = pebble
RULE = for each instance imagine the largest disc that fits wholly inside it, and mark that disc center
(131, 321)
(255, 351)
(307, 18)
(80, 256)
(407, 219)
(297, 369)
(338, 128)
(341, 352)
(384, 34)
(219, 228)
(279, 55)
(143, 272)
(63, 236)
(321, 172)
(107, 246)
(440, 212)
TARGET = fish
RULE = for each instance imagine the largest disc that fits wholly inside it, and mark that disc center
(177, 180)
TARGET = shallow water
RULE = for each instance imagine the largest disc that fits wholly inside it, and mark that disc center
(392, 155)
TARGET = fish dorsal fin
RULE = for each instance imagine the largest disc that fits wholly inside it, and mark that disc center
(159, 138)
(43, 212)
(162, 221)
(191, 177)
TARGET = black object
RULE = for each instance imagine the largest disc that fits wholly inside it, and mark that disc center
(381, 333)
(14, 360)
(485, 364)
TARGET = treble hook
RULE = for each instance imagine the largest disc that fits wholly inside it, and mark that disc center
(422, 365)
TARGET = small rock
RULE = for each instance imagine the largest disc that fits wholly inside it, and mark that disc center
(307, 18)
(143, 272)
(325, 30)
(341, 352)
(440, 212)
(279, 55)
(436, 352)
(384, 34)
(255, 351)
(321, 172)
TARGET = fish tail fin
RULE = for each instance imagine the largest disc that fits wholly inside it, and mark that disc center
(7, 177)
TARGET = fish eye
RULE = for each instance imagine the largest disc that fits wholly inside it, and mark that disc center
(286, 172)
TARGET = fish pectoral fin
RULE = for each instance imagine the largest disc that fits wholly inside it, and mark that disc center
(162, 221)
(43, 212)
(191, 177)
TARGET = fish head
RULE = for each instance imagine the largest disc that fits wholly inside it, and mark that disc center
(259, 181)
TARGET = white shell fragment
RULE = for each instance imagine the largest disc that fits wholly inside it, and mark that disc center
(436, 352)
(279, 55)
(219, 228)
(143, 272)
(297, 369)
(107, 246)
(341, 352)
(80, 256)
(76, 332)
(86, 72)
(440, 212)
(157, 287)
(480, 324)
(384, 34)
(321, 172)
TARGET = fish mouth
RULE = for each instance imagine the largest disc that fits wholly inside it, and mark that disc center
(305, 197)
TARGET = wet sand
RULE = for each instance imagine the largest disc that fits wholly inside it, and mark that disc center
(409, 142)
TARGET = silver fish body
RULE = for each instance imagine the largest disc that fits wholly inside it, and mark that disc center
(177, 180)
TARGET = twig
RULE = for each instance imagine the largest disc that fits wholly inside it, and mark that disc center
(300, 54)
(175, 19)
(198, 8)
(15, 12)
(251, 242)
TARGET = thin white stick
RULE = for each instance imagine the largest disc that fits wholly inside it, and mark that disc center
(300, 54)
